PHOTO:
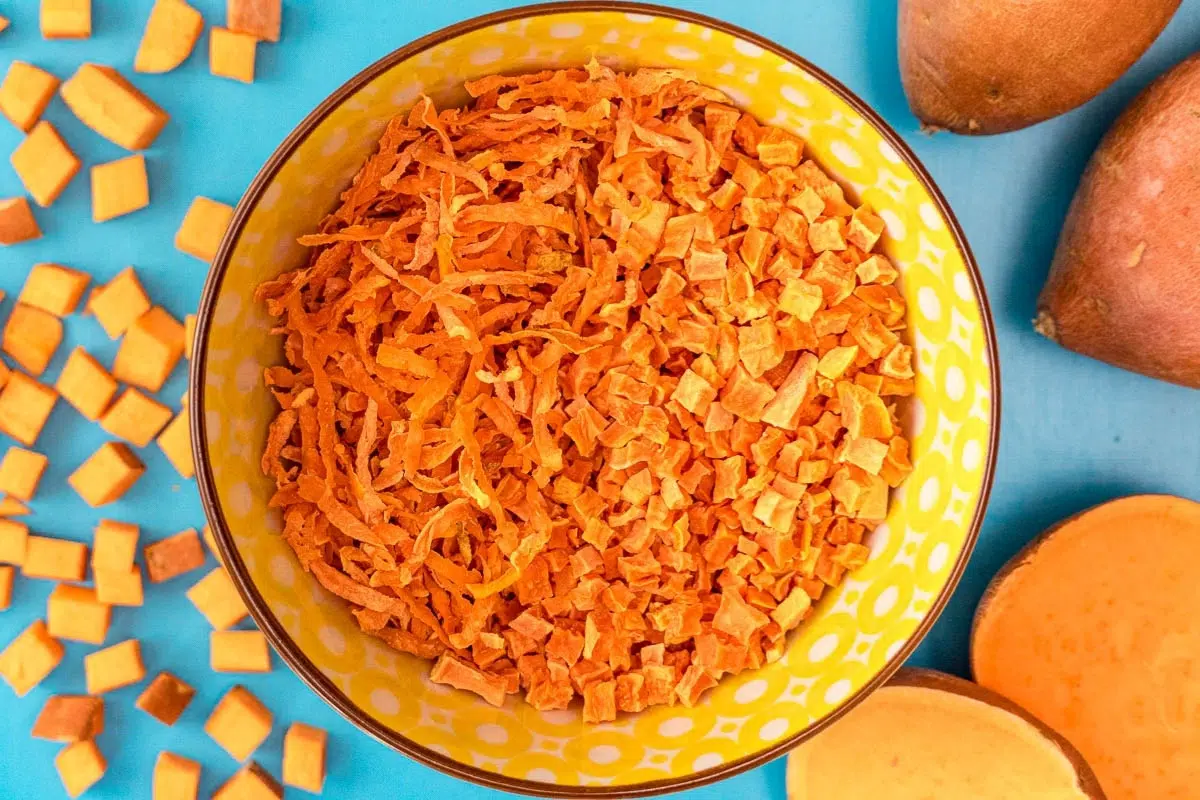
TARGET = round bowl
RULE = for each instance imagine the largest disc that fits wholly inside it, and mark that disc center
(861, 633)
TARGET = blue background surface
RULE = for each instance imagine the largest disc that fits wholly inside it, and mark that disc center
(1075, 432)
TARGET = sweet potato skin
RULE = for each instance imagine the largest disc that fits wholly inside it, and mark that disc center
(988, 67)
(1124, 286)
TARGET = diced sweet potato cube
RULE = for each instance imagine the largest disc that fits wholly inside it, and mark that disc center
(218, 600)
(31, 336)
(7, 577)
(259, 18)
(135, 418)
(25, 405)
(304, 757)
(54, 288)
(75, 613)
(66, 19)
(239, 723)
(14, 542)
(865, 229)
(877, 269)
(151, 348)
(25, 93)
(17, 223)
(20, 472)
(166, 698)
(3, 24)
(203, 228)
(70, 718)
(174, 556)
(29, 658)
(120, 303)
(863, 413)
(112, 107)
(120, 587)
(119, 187)
(107, 474)
(176, 444)
(114, 667)
(835, 362)
(114, 545)
(171, 33)
(239, 651)
(251, 782)
(55, 559)
(86, 384)
(175, 778)
(44, 163)
(80, 765)
(231, 54)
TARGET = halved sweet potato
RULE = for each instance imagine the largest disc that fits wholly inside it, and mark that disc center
(978, 67)
(927, 734)
(1093, 629)
(1125, 283)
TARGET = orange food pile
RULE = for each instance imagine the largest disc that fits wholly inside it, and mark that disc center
(588, 390)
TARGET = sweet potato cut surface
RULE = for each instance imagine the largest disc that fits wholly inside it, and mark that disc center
(1092, 629)
(70, 718)
(17, 223)
(985, 67)
(25, 93)
(113, 107)
(166, 698)
(1125, 283)
(176, 778)
(174, 556)
(259, 18)
(931, 735)
(44, 163)
(171, 33)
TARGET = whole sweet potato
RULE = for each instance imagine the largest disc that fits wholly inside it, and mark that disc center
(1125, 283)
(990, 66)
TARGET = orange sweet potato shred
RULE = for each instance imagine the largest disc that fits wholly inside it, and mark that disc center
(590, 389)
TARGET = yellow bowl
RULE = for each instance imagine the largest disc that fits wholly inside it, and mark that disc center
(860, 634)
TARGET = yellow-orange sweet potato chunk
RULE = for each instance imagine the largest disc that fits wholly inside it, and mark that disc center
(17, 223)
(66, 19)
(251, 782)
(14, 542)
(231, 54)
(111, 106)
(175, 778)
(107, 474)
(55, 559)
(75, 613)
(239, 723)
(29, 658)
(25, 405)
(166, 698)
(44, 163)
(174, 556)
(86, 384)
(114, 545)
(114, 667)
(54, 288)
(304, 757)
(25, 93)
(80, 766)
(70, 718)
(171, 33)
(218, 600)
(119, 187)
(203, 228)
(7, 578)
(151, 348)
(135, 418)
(176, 444)
(119, 303)
(259, 18)
(20, 472)
(239, 651)
(120, 587)
(31, 337)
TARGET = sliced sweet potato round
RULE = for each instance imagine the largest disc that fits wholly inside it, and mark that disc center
(1093, 629)
(927, 734)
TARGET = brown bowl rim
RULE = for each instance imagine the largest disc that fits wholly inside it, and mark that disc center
(270, 625)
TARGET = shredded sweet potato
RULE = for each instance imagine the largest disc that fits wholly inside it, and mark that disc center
(589, 389)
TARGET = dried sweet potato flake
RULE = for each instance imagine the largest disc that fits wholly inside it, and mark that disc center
(583, 392)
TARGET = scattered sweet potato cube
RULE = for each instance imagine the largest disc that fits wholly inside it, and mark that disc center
(70, 718)
(304, 757)
(31, 337)
(171, 33)
(174, 556)
(114, 545)
(135, 418)
(107, 474)
(17, 223)
(86, 384)
(251, 782)
(176, 444)
(239, 723)
(203, 228)
(166, 698)
(44, 163)
(20, 472)
(25, 93)
(7, 576)
(218, 600)
(175, 778)
(25, 405)
(151, 348)
(119, 187)
(80, 765)
(29, 658)
(55, 559)
(120, 587)
(54, 288)
(231, 54)
(74, 612)
(239, 651)
(3, 24)
(66, 19)
(119, 303)
(113, 107)
(114, 667)
(14, 542)
(259, 18)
